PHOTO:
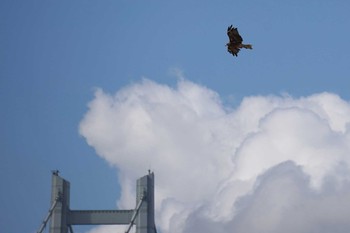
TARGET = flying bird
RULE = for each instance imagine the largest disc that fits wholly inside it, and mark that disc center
(236, 40)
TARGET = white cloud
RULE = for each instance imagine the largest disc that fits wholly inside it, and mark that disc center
(109, 228)
(271, 161)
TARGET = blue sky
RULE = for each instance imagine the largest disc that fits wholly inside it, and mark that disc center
(54, 54)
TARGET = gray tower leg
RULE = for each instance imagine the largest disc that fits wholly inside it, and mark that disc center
(60, 189)
(145, 220)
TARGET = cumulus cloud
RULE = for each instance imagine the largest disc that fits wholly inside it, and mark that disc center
(108, 228)
(273, 163)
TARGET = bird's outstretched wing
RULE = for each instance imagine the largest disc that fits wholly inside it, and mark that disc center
(234, 36)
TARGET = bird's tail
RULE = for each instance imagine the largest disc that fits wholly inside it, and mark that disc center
(247, 46)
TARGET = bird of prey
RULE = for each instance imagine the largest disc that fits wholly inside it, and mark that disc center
(236, 40)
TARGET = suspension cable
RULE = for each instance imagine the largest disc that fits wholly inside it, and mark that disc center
(43, 225)
(136, 211)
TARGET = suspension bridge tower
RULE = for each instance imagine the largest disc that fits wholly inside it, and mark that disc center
(63, 218)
